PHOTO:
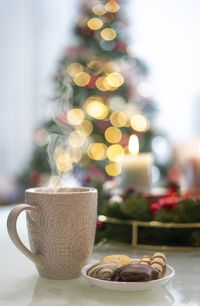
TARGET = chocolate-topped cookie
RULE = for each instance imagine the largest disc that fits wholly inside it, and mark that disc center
(158, 262)
(135, 273)
(103, 271)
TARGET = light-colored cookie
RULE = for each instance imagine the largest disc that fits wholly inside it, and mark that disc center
(145, 260)
(159, 254)
(158, 262)
(122, 260)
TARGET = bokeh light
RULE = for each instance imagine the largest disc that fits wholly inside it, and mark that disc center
(133, 144)
(115, 152)
(82, 79)
(75, 154)
(74, 68)
(117, 103)
(113, 169)
(118, 119)
(75, 116)
(95, 23)
(58, 151)
(108, 34)
(96, 108)
(96, 65)
(97, 151)
(110, 67)
(41, 137)
(140, 123)
(76, 139)
(113, 134)
(99, 9)
(85, 128)
(115, 79)
(102, 84)
(63, 162)
(112, 6)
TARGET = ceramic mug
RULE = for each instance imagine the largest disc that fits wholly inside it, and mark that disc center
(61, 228)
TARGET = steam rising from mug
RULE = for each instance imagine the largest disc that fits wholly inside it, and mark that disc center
(67, 139)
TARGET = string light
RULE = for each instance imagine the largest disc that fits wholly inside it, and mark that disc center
(76, 139)
(133, 144)
(110, 67)
(112, 6)
(75, 154)
(113, 134)
(99, 9)
(115, 152)
(97, 151)
(75, 116)
(117, 103)
(102, 84)
(95, 23)
(140, 123)
(113, 169)
(96, 109)
(118, 119)
(74, 68)
(63, 162)
(96, 65)
(115, 79)
(85, 128)
(58, 151)
(82, 79)
(108, 34)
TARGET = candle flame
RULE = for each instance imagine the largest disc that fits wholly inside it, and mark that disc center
(133, 144)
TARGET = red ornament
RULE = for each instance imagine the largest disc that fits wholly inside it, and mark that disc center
(154, 207)
(124, 140)
(120, 45)
(86, 31)
(102, 125)
(35, 178)
(169, 202)
(92, 83)
(100, 225)
(174, 174)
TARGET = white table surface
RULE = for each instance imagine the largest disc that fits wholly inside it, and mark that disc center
(21, 285)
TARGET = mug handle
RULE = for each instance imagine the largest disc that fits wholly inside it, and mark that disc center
(12, 231)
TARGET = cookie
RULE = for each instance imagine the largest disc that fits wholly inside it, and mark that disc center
(103, 271)
(118, 259)
(145, 260)
(158, 262)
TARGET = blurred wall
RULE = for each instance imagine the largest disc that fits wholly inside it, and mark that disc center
(33, 34)
(167, 37)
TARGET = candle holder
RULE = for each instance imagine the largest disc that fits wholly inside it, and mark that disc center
(136, 228)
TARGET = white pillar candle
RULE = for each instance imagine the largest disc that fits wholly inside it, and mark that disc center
(137, 171)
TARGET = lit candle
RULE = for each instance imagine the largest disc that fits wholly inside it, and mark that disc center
(136, 168)
(192, 171)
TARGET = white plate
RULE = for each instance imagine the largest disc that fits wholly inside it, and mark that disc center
(129, 286)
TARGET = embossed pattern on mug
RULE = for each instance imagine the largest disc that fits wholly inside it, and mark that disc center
(64, 232)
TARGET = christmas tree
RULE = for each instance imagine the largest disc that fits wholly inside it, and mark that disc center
(101, 101)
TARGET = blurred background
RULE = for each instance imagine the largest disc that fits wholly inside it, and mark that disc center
(34, 36)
